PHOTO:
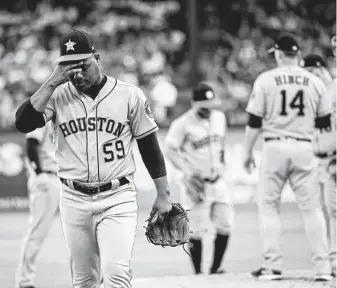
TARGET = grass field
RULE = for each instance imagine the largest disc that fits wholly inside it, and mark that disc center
(170, 267)
(151, 263)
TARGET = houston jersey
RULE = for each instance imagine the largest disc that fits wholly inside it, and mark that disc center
(200, 141)
(95, 137)
(289, 98)
(326, 139)
(46, 148)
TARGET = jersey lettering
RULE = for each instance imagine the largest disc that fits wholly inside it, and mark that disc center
(288, 98)
(111, 147)
(296, 103)
(103, 124)
(201, 143)
(81, 124)
(206, 141)
(95, 137)
(291, 79)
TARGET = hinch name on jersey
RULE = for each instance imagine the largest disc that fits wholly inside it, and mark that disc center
(102, 124)
(291, 79)
(206, 141)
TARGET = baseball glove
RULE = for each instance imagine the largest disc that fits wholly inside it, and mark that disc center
(173, 231)
(195, 188)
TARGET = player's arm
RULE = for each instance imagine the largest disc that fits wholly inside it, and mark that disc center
(253, 129)
(175, 157)
(174, 141)
(323, 140)
(154, 161)
(29, 115)
(324, 108)
(224, 143)
(32, 146)
(33, 140)
(256, 110)
(323, 123)
(143, 128)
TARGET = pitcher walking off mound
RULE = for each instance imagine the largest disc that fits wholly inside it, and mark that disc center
(291, 102)
(97, 119)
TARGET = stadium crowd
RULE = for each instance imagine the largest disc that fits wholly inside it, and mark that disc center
(143, 42)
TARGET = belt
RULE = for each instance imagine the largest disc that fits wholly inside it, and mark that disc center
(286, 137)
(94, 189)
(326, 154)
(212, 180)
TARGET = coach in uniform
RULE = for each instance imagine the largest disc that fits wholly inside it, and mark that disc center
(44, 192)
(325, 150)
(97, 119)
(291, 102)
(196, 147)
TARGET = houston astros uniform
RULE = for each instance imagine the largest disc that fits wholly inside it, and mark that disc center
(97, 120)
(200, 143)
(325, 149)
(108, 126)
(44, 193)
(288, 99)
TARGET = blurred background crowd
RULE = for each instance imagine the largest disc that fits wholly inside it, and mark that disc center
(147, 43)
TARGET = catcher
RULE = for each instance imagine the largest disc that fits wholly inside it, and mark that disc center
(195, 146)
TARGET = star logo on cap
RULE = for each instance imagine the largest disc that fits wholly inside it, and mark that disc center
(209, 95)
(70, 45)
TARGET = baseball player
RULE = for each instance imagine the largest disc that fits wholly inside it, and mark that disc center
(195, 146)
(287, 103)
(325, 150)
(97, 119)
(44, 192)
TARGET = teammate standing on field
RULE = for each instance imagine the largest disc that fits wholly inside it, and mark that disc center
(195, 143)
(325, 150)
(44, 193)
(97, 119)
(287, 103)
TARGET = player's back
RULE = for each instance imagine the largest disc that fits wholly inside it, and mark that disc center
(293, 99)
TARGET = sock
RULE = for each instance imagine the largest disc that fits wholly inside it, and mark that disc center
(196, 252)
(220, 245)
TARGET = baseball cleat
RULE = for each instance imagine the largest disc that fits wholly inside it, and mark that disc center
(322, 278)
(267, 274)
(218, 271)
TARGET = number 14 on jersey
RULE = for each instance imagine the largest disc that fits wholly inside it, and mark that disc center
(289, 102)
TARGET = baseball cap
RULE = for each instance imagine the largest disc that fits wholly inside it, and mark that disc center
(203, 96)
(286, 43)
(313, 60)
(75, 45)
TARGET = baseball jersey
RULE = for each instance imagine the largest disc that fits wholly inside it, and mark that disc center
(289, 98)
(326, 139)
(95, 137)
(46, 148)
(200, 141)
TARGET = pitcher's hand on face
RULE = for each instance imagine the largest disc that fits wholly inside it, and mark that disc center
(161, 206)
(63, 71)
